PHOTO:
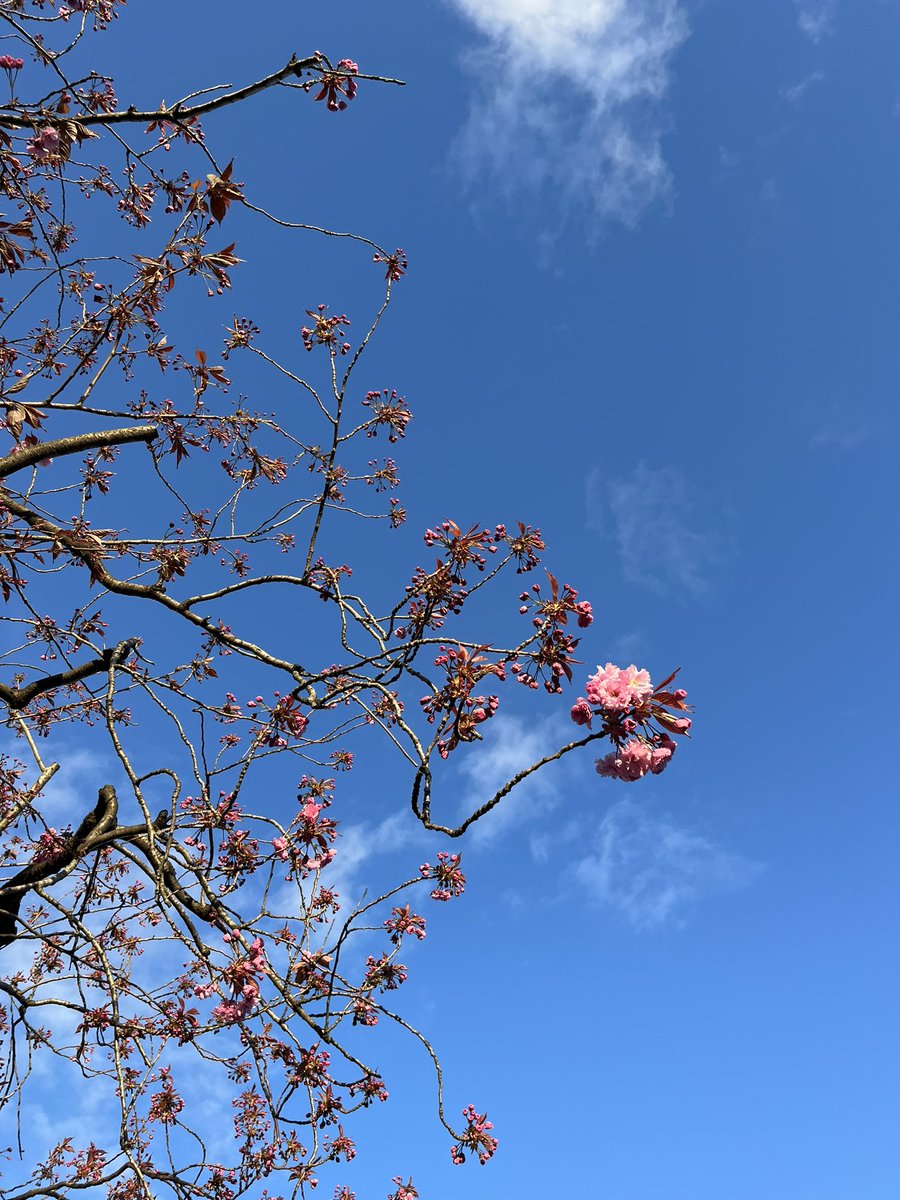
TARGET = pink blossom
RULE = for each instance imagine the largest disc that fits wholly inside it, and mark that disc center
(585, 613)
(631, 762)
(257, 956)
(616, 689)
(661, 755)
(8, 63)
(44, 146)
(609, 689)
(280, 846)
(476, 1137)
(606, 767)
(638, 683)
(634, 759)
(581, 712)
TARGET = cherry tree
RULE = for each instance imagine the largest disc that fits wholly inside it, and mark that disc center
(171, 601)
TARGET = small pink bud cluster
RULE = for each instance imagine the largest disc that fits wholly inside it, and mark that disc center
(405, 1191)
(49, 845)
(476, 1137)
(404, 920)
(325, 331)
(335, 87)
(447, 875)
(8, 63)
(242, 978)
(395, 264)
(387, 409)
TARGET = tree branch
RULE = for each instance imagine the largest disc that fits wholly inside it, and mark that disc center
(27, 456)
(97, 829)
(98, 821)
(179, 114)
(18, 698)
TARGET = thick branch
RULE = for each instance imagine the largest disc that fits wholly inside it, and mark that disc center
(99, 821)
(27, 456)
(99, 828)
(18, 698)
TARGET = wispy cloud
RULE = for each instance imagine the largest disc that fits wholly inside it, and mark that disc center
(793, 93)
(650, 515)
(816, 17)
(651, 871)
(568, 99)
(839, 426)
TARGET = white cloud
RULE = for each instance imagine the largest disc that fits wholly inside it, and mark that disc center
(568, 98)
(651, 871)
(816, 17)
(650, 515)
(793, 93)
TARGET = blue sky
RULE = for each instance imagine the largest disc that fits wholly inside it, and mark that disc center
(652, 308)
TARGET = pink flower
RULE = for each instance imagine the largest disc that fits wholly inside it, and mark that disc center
(634, 760)
(585, 614)
(609, 689)
(257, 956)
(661, 755)
(616, 689)
(606, 767)
(44, 146)
(335, 86)
(638, 682)
(8, 63)
(631, 762)
(280, 846)
(581, 712)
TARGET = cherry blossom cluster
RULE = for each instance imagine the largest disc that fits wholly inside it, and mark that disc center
(556, 608)
(242, 980)
(396, 264)
(338, 87)
(325, 330)
(405, 1191)
(456, 708)
(307, 845)
(404, 921)
(462, 549)
(388, 409)
(447, 875)
(638, 717)
(476, 1138)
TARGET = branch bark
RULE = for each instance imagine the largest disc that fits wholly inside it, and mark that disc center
(29, 455)
(18, 698)
(179, 113)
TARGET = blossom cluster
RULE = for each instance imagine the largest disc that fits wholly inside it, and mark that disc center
(639, 719)
(447, 874)
(242, 978)
(476, 1137)
(338, 88)
(325, 330)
